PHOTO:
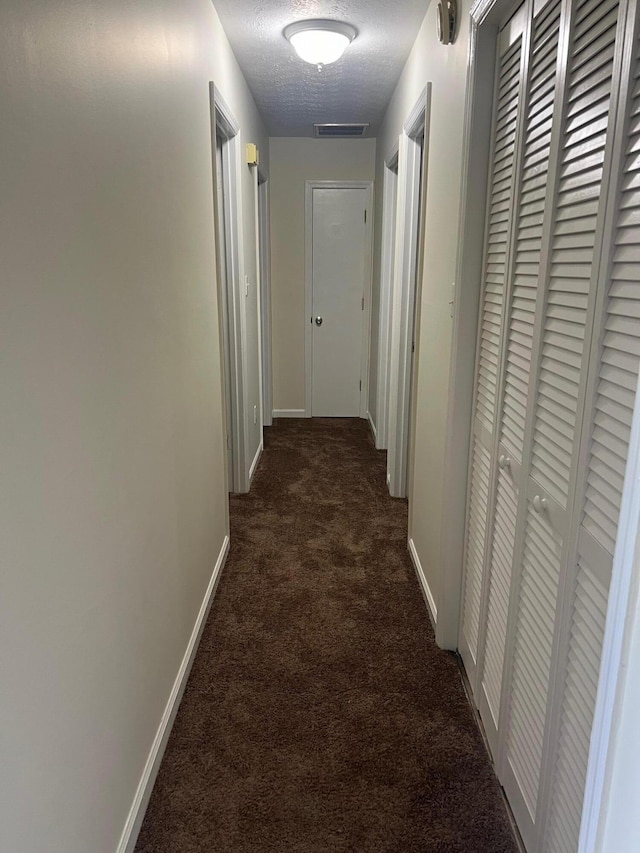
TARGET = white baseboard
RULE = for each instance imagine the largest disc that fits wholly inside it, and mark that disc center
(289, 413)
(143, 793)
(372, 427)
(426, 590)
(256, 459)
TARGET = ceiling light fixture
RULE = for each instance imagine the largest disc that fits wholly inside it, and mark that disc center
(319, 42)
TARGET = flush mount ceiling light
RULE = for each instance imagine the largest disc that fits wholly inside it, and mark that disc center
(319, 42)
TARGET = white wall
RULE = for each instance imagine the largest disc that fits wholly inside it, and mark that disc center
(445, 68)
(113, 508)
(293, 161)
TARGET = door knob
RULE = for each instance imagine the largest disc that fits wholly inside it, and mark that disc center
(539, 504)
(318, 321)
(504, 462)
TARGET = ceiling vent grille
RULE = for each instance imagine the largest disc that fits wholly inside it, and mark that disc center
(336, 131)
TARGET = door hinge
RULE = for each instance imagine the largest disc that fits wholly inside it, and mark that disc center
(361, 384)
(365, 214)
(363, 303)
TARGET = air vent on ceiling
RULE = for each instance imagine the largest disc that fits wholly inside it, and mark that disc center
(340, 130)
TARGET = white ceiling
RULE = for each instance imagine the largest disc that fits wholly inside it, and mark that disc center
(291, 94)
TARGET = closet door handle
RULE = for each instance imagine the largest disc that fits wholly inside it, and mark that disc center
(539, 504)
(504, 462)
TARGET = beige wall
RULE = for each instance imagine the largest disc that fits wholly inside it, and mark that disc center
(113, 508)
(292, 162)
(445, 68)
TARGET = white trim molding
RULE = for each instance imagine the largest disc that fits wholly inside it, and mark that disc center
(290, 413)
(256, 459)
(424, 584)
(372, 427)
(132, 826)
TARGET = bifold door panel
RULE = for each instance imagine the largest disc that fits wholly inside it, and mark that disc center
(490, 332)
(556, 371)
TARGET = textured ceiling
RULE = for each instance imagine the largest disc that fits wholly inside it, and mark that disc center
(292, 94)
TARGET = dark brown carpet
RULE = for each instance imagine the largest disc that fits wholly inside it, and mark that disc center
(320, 716)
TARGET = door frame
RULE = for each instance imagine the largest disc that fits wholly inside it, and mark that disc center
(407, 279)
(224, 124)
(264, 256)
(387, 256)
(309, 187)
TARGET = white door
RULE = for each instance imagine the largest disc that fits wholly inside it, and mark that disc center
(518, 342)
(339, 267)
(490, 349)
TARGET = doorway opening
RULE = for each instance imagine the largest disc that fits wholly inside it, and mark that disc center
(226, 186)
(264, 262)
(387, 263)
(407, 280)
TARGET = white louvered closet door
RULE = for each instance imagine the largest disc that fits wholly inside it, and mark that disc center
(557, 367)
(613, 374)
(522, 293)
(564, 320)
(490, 333)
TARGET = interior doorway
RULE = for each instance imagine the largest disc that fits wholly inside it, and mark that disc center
(221, 241)
(387, 264)
(264, 242)
(407, 279)
(338, 229)
(226, 195)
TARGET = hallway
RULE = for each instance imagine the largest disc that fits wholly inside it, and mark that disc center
(163, 302)
(320, 715)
